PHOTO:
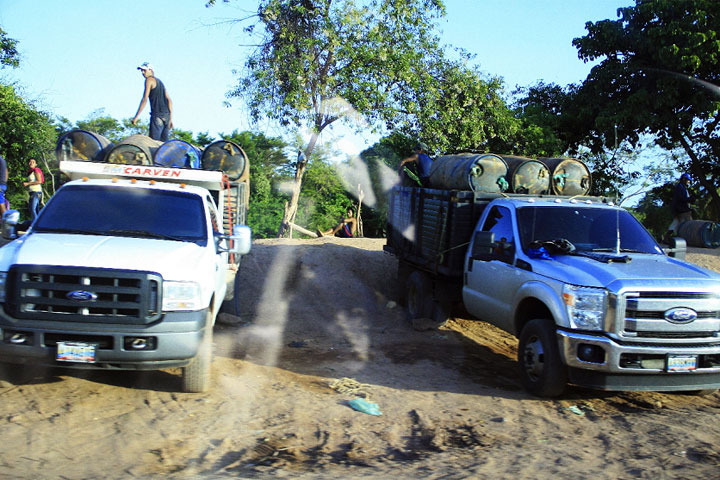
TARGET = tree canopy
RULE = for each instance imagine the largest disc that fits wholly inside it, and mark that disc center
(320, 61)
(9, 55)
(660, 64)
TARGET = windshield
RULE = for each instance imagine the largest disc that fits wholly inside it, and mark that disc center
(588, 229)
(130, 212)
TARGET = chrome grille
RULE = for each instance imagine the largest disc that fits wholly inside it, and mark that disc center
(40, 292)
(643, 316)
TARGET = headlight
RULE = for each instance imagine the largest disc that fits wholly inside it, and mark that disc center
(181, 296)
(3, 277)
(585, 306)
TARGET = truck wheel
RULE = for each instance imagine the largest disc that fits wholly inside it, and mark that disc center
(403, 273)
(196, 376)
(419, 296)
(542, 372)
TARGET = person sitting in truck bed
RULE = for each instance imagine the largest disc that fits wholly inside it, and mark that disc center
(346, 228)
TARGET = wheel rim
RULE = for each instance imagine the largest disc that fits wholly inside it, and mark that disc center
(533, 357)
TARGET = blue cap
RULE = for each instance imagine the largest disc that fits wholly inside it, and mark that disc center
(685, 176)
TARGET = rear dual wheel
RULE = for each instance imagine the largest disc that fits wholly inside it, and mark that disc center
(419, 296)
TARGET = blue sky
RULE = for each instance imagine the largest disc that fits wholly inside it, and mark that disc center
(79, 56)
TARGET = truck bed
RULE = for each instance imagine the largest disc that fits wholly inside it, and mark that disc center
(431, 228)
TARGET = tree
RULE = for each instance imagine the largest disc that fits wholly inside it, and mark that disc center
(320, 61)
(451, 107)
(661, 62)
(542, 111)
(9, 56)
(107, 126)
(25, 132)
(267, 164)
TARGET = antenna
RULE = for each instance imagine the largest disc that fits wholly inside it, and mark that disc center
(617, 230)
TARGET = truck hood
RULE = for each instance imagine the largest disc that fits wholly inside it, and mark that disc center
(641, 270)
(160, 256)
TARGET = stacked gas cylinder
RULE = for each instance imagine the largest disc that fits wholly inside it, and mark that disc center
(490, 173)
(85, 146)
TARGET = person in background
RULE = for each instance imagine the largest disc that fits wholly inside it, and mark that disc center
(3, 185)
(160, 104)
(423, 162)
(681, 209)
(34, 183)
(346, 228)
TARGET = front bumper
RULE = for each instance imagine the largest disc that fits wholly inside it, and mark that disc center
(636, 367)
(175, 342)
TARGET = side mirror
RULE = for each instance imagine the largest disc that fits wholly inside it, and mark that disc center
(678, 248)
(8, 224)
(483, 246)
(239, 241)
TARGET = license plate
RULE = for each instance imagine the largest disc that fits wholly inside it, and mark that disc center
(681, 363)
(76, 352)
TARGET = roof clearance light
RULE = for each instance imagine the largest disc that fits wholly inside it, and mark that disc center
(114, 180)
(152, 182)
(85, 179)
(182, 185)
(133, 181)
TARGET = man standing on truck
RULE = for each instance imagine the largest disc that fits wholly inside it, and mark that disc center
(681, 210)
(423, 162)
(160, 104)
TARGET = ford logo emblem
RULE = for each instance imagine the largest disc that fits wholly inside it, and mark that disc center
(680, 315)
(81, 296)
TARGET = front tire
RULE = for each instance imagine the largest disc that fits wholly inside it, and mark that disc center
(196, 377)
(542, 372)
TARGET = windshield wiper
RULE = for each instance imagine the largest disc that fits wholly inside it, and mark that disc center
(78, 231)
(143, 233)
(628, 250)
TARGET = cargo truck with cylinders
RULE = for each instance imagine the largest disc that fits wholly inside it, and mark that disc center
(125, 268)
(591, 296)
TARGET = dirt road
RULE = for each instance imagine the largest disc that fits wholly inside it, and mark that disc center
(318, 328)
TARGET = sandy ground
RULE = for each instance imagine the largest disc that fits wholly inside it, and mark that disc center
(318, 328)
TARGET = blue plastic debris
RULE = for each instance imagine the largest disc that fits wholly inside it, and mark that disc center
(539, 252)
(362, 405)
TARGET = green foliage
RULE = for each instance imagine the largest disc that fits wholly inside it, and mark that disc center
(654, 209)
(540, 110)
(453, 108)
(321, 61)
(266, 159)
(324, 200)
(382, 161)
(102, 124)
(25, 132)
(9, 56)
(660, 68)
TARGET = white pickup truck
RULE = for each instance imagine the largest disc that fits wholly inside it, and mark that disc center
(591, 296)
(124, 268)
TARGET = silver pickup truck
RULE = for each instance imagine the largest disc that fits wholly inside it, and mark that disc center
(591, 296)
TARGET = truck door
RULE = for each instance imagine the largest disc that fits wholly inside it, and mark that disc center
(221, 258)
(490, 285)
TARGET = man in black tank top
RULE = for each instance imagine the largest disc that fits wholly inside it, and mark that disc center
(160, 104)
